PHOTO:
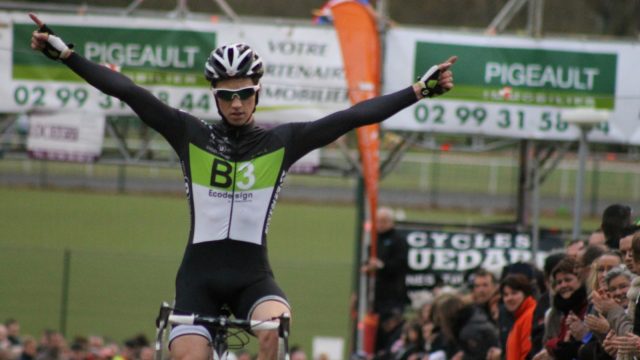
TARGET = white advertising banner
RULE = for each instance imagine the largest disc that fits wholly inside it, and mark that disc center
(517, 87)
(304, 78)
(304, 75)
(505, 86)
(68, 136)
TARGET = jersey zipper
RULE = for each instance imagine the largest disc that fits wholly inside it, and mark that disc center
(233, 182)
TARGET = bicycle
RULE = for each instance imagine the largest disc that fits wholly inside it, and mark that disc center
(222, 326)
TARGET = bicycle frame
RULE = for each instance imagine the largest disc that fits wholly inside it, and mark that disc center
(220, 326)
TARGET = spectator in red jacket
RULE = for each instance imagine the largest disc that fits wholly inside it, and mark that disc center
(517, 296)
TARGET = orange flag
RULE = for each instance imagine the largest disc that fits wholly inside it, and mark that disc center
(356, 28)
(360, 45)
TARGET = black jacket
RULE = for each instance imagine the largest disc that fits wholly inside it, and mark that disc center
(475, 334)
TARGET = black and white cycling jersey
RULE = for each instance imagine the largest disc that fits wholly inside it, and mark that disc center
(232, 174)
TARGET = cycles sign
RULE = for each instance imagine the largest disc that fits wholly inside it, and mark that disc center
(436, 257)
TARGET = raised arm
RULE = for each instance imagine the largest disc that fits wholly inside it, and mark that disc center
(150, 109)
(436, 81)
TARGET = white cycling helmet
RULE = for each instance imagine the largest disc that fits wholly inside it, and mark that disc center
(233, 61)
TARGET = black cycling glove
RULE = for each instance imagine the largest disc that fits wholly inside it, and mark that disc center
(55, 48)
(429, 82)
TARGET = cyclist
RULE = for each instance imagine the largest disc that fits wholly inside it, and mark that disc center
(233, 171)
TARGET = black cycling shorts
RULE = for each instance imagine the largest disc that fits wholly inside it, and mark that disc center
(207, 283)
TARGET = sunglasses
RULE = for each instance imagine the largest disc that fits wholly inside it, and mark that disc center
(229, 94)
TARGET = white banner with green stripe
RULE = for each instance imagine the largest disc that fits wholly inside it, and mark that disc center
(517, 87)
(304, 79)
(505, 86)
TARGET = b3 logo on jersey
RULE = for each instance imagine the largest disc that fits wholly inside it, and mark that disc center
(222, 174)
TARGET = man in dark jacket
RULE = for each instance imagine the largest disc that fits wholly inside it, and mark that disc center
(390, 266)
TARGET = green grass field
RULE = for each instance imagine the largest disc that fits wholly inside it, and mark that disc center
(125, 250)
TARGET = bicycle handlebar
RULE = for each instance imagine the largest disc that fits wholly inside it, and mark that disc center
(223, 322)
(182, 319)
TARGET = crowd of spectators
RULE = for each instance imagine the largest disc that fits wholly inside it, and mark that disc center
(53, 345)
(582, 304)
